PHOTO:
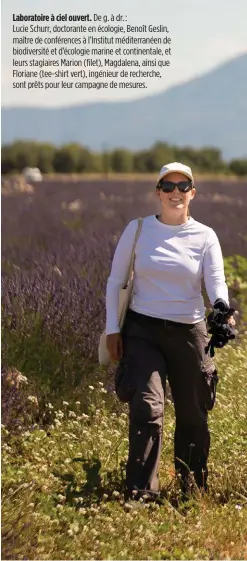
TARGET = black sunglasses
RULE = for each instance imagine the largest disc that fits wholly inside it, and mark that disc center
(169, 186)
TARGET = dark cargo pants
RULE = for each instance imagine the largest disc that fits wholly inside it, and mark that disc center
(153, 350)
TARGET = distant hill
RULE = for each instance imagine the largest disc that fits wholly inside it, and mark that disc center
(207, 111)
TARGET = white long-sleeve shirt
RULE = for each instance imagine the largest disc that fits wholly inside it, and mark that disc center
(170, 263)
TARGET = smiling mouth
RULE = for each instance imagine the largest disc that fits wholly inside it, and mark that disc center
(176, 200)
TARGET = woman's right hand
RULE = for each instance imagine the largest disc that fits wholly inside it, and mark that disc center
(114, 346)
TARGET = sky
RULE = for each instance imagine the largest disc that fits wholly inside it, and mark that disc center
(204, 35)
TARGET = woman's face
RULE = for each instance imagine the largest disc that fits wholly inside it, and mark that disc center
(176, 200)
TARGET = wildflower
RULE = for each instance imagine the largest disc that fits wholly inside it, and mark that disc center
(15, 377)
(72, 414)
(101, 384)
(238, 507)
(43, 468)
(91, 387)
(128, 506)
(65, 403)
(115, 494)
(61, 498)
(78, 403)
(33, 399)
(50, 406)
(75, 527)
(82, 510)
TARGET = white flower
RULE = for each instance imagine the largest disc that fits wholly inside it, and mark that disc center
(91, 387)
(61, 498)
(74, 528)
(33, 399)
(65, 403)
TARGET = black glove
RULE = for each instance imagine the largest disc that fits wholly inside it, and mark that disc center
(220, 330)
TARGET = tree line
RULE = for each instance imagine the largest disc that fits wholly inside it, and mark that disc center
(75, 158)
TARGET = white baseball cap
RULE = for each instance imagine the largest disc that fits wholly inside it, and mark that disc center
(178, 167)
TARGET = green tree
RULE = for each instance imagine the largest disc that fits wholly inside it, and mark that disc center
(18, 155)
(140, 161)
(63, 161)
(239, 167)
(122, 161)
(106, 162)
(187, 155)
(8, 161)
(45, 157)
(73, 158)
(209, 160)
(159, 154)
(85, 160)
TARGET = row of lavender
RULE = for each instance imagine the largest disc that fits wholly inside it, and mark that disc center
(58, 240)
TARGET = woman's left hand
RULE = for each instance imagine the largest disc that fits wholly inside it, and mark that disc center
(231, 321)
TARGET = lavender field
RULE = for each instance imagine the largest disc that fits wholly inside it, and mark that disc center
(57, 246)
(58, 240)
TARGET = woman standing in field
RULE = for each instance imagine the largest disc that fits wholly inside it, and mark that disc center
(165, 333)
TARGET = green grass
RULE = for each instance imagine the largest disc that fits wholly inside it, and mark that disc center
(62, 487)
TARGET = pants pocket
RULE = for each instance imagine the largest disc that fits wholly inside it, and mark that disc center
(124, 381)
(209, 372)
(210, 381)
